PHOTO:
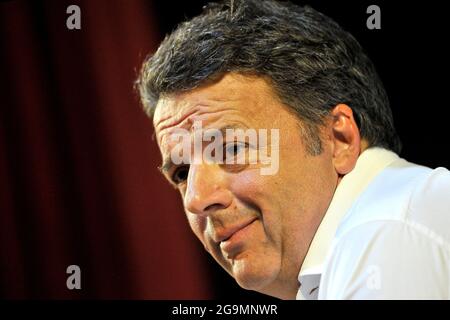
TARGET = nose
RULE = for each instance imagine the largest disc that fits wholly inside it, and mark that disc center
(206, 189)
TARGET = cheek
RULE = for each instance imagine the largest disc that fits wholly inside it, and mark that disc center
(250, 180)
(249, 188)
(260, 194)
(196, 222)
(198, 225)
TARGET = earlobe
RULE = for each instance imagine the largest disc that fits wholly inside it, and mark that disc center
(346, 139)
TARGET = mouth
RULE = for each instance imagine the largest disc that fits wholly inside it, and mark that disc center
(232, 243)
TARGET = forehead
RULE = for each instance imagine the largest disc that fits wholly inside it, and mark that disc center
(233, 97)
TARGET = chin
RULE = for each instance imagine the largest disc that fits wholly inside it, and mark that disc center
(251, 276)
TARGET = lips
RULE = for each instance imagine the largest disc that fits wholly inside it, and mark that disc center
(227, 233)
(235, 239)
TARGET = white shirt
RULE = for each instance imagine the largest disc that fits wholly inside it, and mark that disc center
(385, 235)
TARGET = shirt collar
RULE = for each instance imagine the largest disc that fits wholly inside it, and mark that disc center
(368, 165)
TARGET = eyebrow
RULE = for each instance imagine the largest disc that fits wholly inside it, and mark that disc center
(168, 164)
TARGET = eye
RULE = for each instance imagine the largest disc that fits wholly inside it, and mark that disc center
(232, 149)
(180, 174)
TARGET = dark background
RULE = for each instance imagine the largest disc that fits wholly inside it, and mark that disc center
(78, 178)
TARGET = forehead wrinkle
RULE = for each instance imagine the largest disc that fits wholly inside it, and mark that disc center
(180, 115)
(208, 109)
(208, 124)
(205, 113)
(177, 121)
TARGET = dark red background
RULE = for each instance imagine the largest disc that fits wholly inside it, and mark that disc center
(77, 161)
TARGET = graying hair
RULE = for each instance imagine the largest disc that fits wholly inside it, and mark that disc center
(311, 62)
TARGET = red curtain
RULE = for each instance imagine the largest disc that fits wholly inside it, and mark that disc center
(79, 183)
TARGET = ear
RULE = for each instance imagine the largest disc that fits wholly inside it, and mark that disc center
(345, 138)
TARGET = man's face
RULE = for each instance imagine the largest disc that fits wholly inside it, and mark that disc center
(258, 227)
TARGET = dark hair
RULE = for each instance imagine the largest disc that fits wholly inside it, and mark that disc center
(310, 61)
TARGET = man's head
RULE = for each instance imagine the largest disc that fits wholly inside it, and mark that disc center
(265, 65)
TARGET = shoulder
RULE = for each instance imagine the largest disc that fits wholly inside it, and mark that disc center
(395, 241)
(429, 203)
(403, 192)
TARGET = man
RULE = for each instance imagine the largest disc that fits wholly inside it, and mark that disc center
(342, 216)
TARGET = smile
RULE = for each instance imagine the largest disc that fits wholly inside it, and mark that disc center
(233, 244)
